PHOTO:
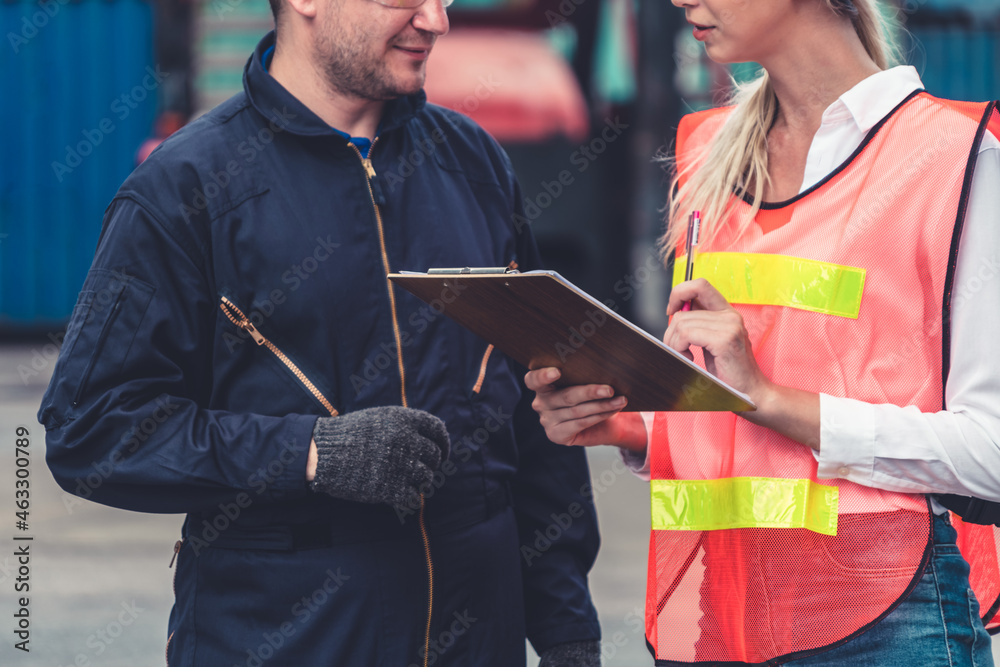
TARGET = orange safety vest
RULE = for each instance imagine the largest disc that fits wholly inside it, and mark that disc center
(753, 560)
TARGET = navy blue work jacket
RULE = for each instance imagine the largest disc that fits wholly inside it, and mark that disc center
(160, 403)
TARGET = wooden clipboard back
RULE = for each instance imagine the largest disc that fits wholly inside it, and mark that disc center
(540, 319)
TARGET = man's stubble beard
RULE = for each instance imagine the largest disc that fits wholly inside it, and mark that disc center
(352, 70)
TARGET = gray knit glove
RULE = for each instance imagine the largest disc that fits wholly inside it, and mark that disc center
(575, 654)
(379, 455)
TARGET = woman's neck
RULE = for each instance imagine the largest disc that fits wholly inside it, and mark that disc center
(807, 80)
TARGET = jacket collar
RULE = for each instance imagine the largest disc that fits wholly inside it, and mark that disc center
(283, 109)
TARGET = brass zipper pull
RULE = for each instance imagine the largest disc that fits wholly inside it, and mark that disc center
(239, 319)
(252, 330)
(177, 549)
(369, 167)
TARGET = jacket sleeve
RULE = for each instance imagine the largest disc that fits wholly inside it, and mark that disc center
(556, 517)
(125, 411)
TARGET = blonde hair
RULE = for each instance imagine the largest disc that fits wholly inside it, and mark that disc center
(736, 160)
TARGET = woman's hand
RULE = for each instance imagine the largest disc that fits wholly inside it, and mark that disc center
(584, 415)
(717, 328)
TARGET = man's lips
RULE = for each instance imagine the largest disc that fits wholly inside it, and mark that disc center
(420, 51)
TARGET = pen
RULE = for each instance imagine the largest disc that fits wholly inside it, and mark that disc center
(694, 229)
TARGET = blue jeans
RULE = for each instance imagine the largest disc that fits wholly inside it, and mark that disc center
(938, 625)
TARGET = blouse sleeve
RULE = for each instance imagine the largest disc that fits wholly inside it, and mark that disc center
(956, 450)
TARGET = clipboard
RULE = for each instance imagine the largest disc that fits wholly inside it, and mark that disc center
(541, 319)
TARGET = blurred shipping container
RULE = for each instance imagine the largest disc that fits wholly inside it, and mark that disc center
(955, 45)
(80, 92)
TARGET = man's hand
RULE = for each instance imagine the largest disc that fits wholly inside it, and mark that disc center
(378, 455)
(584, 415)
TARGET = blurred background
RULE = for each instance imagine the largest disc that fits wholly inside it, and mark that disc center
(581, 93)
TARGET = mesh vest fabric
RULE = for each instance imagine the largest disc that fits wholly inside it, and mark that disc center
(756, 594)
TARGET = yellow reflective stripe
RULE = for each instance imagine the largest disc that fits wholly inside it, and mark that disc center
(743, 502)
(779, 280)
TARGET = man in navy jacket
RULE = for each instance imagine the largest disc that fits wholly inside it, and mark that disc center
(365, 482)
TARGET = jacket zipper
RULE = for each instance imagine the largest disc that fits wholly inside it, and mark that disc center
(430, 580)
(366, 162)
(177, 549)
(237, 317)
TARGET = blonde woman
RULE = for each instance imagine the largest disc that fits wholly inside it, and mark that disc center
(847, 281)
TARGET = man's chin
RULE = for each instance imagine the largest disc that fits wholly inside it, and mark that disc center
(409, 86)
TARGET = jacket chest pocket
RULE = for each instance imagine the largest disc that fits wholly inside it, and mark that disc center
(240, 320)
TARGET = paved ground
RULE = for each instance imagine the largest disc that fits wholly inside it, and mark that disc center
(100, 586)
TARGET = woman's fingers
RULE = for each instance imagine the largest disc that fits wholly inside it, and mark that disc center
(698, 291)
(684, 325)
(703, 329)
(725, 342)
